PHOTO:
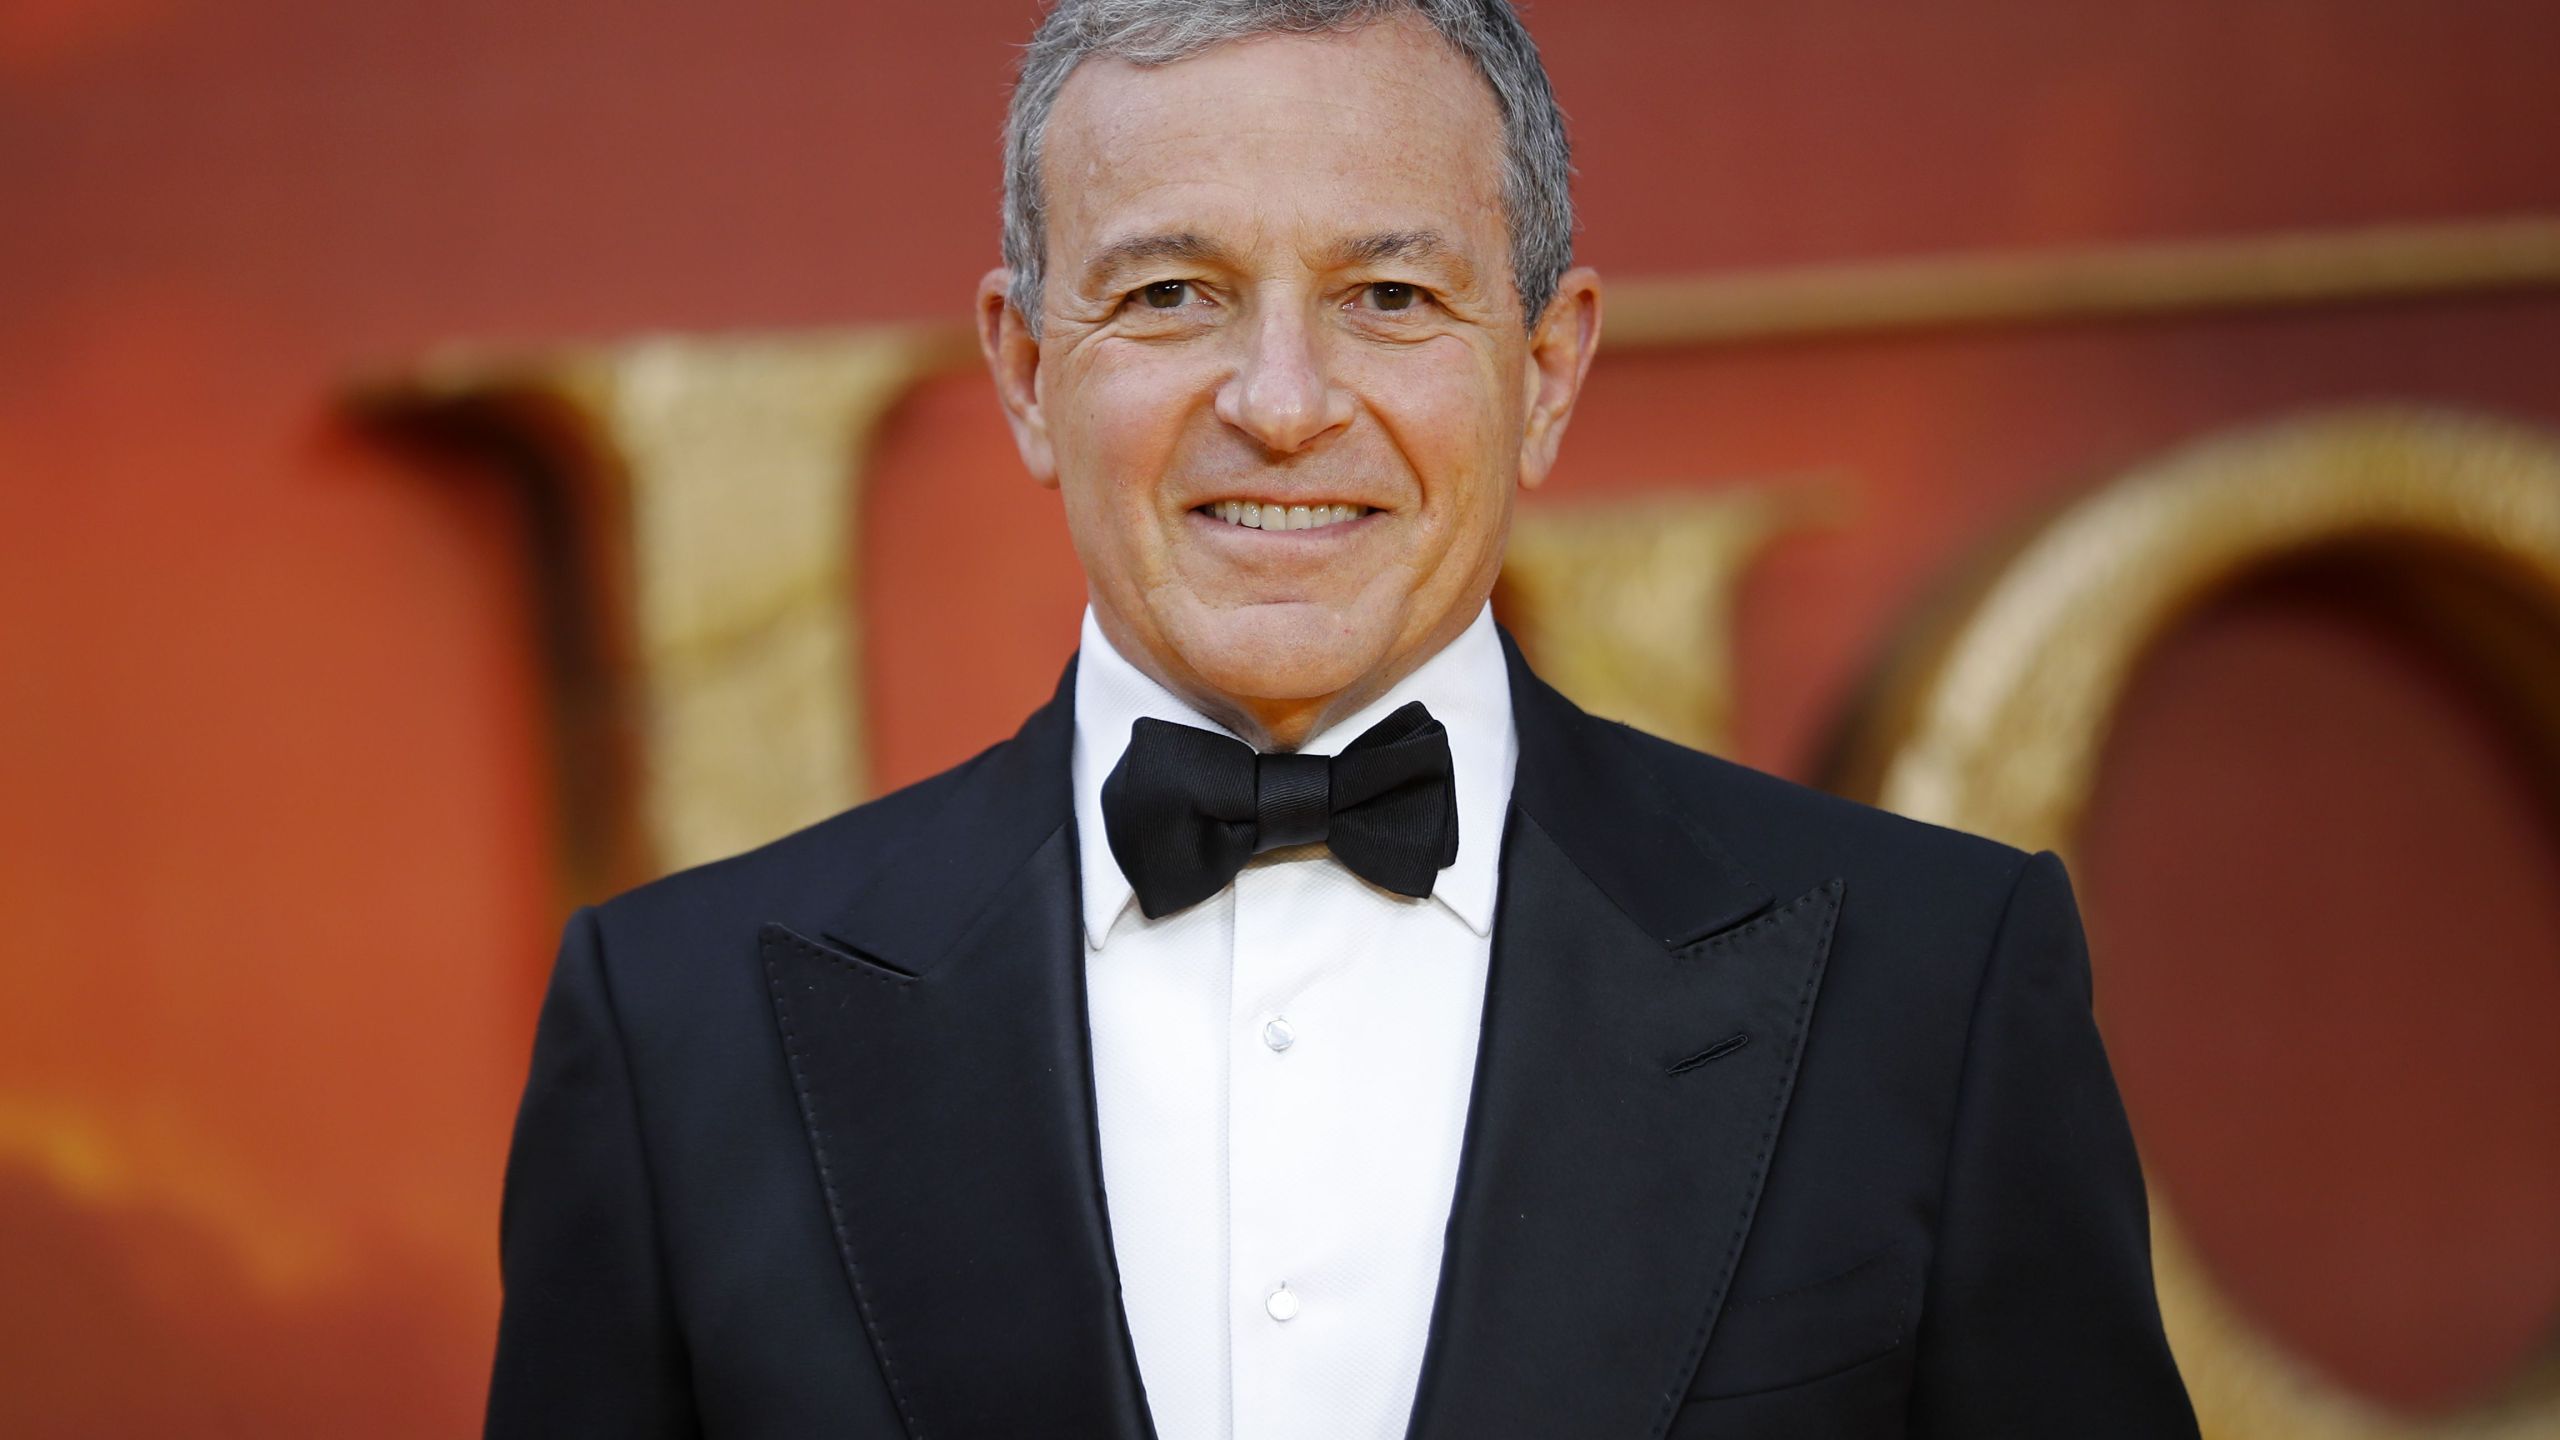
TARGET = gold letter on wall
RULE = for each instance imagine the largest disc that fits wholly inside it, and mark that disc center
(1997, 727)
(713, 496)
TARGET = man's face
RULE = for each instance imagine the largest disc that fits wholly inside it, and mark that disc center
(1279, 290)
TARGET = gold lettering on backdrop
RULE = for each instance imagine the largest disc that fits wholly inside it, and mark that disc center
(1627, 606)
(1996, 719)
(716, 488)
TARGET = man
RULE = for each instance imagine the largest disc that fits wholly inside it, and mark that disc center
(1310, 1024)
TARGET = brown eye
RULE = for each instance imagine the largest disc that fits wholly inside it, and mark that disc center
(1165, 294)
(1392, 295)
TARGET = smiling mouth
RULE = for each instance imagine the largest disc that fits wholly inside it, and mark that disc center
(1258, 515)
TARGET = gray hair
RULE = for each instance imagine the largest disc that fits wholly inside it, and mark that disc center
(1537, 163)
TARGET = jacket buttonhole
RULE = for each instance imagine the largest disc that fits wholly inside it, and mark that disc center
(1717, 1051)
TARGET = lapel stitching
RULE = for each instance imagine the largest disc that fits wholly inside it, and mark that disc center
(1687, 1359)
(826, 1170)
(1724, 940)
(951, 1116)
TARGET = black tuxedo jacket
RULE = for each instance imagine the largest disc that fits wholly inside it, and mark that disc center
(1789, 1119)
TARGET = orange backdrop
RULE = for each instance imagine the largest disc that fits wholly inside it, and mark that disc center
(276, 845)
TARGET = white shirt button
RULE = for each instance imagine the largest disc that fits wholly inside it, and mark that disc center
(1281, 1304)
(1278, 1035)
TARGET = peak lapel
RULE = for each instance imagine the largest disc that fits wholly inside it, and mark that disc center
(1639, 1046)
(938, 1041)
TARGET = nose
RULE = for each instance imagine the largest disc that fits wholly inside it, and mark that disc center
(1280, 393)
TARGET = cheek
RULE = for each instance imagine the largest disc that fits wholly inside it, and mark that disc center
(1119, 418)
(1115, 422)
(1458, 428)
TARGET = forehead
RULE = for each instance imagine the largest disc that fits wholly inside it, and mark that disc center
(1386, 127)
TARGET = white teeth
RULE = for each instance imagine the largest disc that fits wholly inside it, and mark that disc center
(1253, 514)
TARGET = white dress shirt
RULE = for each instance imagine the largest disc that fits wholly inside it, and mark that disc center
(1281, 1075)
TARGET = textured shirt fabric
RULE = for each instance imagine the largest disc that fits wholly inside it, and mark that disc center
(1281, 1079)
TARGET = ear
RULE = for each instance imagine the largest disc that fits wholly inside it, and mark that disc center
(1013, 357)
(1560, 352)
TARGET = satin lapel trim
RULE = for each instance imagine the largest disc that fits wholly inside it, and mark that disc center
(937, 1039)
(951, 1116)
(1611, 1168)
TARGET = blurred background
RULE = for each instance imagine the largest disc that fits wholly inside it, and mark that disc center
(337, 663)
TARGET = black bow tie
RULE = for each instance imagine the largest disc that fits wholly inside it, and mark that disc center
(1186, 807)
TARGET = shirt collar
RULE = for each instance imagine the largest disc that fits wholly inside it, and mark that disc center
(1466, 686)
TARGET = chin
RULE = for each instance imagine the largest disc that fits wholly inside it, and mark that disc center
(1281, 651)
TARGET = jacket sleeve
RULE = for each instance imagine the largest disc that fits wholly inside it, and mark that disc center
(587, 1342)
(2040, 1319)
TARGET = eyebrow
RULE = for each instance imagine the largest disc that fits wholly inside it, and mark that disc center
(1419, 246)
(1136, 250)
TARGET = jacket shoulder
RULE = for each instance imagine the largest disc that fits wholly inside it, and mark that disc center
(1923, 906)
(1793, 837)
